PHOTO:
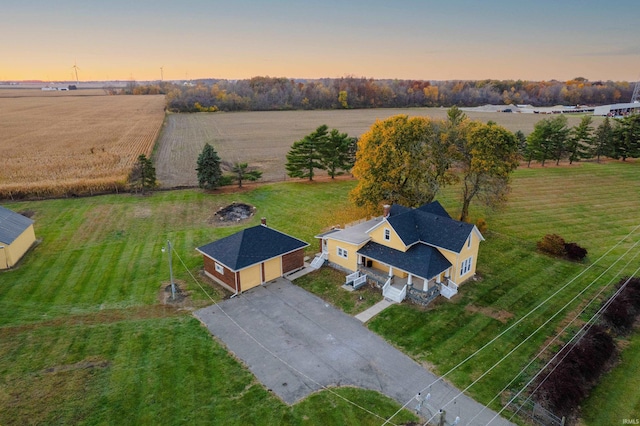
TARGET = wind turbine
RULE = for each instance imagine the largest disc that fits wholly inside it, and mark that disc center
(161, 74)
(75, 68)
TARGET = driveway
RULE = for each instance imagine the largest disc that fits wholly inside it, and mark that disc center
(295, 344)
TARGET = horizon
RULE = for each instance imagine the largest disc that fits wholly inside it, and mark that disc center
(407, 40)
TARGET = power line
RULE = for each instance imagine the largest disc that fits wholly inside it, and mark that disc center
(593, 299)
(534, 333)
(269, 351)
(517, 322)
(585, 328)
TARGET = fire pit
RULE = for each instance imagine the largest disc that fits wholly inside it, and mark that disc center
(234, 213)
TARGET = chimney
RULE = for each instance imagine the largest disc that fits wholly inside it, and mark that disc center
(387, 210)
(263, 221)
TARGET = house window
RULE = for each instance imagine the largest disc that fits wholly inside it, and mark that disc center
(219, 268)
(387, 234)
(469, 242)
(343, 253)
(466, 266)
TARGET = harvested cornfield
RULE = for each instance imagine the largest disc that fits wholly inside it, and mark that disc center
(73, 144)
(263, 138)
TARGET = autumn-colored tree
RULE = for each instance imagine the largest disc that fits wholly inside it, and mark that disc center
(305, 155)
(487, 156)
(400, 160)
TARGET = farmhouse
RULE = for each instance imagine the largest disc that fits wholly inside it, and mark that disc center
(252, 257)
(16, 237)
(422, 251)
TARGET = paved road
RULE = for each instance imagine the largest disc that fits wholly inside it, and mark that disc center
(295, 343)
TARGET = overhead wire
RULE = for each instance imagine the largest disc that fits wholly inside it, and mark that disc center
(583, 330)
(271, 352)
(555, 338)
(475, 353)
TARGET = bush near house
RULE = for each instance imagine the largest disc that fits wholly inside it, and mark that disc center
(555, 245)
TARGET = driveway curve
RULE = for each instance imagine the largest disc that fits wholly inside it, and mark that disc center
(295, 344)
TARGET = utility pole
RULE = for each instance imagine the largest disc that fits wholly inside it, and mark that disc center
(173, 286)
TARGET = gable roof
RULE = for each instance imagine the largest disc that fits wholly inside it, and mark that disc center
(430, 224)
(12, 225)
(250, 246)
(420, 260)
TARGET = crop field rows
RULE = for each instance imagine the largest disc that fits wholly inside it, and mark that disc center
(62, 145)
(263, 139)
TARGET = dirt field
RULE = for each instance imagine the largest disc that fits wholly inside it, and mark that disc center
(62, 143)
(263, 138)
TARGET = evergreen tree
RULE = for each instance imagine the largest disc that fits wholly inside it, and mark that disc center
(548, 139)
(602, 140)
(241, 172)
(143, 175)
(305, 155)
(209, 171)
(626, 138)
(580, 140)
(336, 153)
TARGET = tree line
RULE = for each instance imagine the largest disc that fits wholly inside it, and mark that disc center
(553, 140)
(272, 93)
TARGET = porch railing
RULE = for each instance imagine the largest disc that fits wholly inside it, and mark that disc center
(356, 279)
(448, 289)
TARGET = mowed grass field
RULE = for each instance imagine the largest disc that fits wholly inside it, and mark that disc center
(84, 338)
(263, 139)
(74, 142)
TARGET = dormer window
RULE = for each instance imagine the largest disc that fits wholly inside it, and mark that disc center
(387, 234)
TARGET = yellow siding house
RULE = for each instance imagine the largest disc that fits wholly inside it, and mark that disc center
(16, 237)
(422, 251)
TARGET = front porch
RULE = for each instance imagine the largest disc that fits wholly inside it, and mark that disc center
(418, 289)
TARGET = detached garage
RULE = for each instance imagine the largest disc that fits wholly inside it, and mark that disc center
(16, 237)
(252, 257)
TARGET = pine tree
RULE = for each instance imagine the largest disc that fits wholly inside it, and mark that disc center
(143, 175)
(602, 140)
(336, 153)
(209, 171)
(305, 155)
(580, 139)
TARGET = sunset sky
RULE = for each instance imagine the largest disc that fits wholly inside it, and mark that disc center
(407, 39)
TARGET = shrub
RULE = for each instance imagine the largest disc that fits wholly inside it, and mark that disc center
(481, 224)
(552, 244)
(575, 370)
(575, 252)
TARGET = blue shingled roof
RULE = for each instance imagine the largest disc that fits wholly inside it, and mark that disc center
(430, 224)
(12, 225)
(420, 260)
(250, 246)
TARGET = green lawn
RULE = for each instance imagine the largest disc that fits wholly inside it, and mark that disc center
(84, 339)
(594, 205)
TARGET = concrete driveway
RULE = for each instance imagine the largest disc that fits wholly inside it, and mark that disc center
(295, 344)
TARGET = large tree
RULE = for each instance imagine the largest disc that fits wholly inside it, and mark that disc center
(626, 138)
(336, 153)
(580, 140)
(143, 175)
(209, 170)
(305, 155)
(602, 140)
(401, 160)
(548, 139)
(487, 155)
